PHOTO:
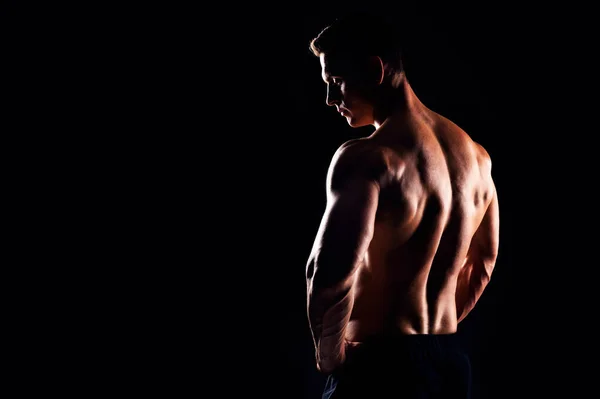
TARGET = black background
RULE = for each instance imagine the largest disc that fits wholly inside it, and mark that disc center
(181, 155)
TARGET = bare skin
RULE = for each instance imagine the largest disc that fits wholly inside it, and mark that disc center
(409, 237)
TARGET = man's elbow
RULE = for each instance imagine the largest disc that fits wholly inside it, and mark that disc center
(332, 270)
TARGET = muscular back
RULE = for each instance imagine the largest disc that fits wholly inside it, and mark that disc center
(435, 234)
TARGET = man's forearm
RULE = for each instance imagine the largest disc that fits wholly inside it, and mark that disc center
(329, 312)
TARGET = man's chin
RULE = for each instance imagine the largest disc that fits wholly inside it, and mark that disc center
(355, 123)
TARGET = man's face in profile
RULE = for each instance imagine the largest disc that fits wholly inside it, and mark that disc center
(347, 88)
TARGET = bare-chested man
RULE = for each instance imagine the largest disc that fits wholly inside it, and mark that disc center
(409, 237)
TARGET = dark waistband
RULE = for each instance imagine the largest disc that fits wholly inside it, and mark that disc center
(412, 341)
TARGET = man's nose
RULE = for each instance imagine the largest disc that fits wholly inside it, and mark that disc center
(332, 97)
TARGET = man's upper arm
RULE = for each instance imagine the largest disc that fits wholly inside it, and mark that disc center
(348, 222)
(488, 234)
(481, 260)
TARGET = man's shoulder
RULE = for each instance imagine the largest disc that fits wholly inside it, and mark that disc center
(460, 136)
(362, 149)
(359, 157)
(483, 157)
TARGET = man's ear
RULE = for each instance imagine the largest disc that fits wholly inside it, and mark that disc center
(377, 68)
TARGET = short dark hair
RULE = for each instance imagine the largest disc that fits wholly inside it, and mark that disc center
(361, 34)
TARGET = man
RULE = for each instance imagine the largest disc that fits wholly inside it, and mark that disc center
(409, 236)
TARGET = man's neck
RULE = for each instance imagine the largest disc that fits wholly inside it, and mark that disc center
(400, 102)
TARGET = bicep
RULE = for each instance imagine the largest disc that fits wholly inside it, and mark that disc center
(346, 229)
(350, 214)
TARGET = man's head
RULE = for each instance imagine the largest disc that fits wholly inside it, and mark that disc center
(360, 59)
